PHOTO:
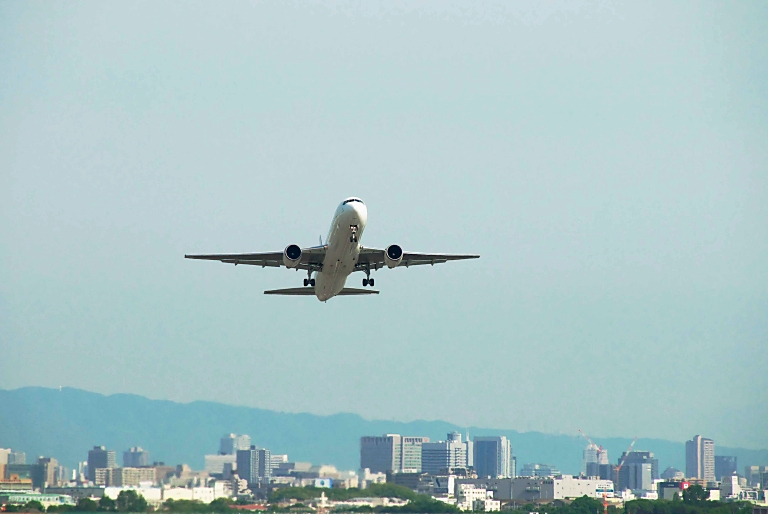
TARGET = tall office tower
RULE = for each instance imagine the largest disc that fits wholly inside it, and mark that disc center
(47, 469)
(725, 466)
(136, 457)
(493, 457)
(440, 456)
(700, 458)
(230, 443)
(411, 454)
(100, 457)
(381, 454)
(254, 465)
(638, 472)
(755, 476)
(589, 456)
(4, 452)
(595, 463)
(265, 465)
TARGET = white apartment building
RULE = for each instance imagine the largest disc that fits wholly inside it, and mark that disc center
(470, 497)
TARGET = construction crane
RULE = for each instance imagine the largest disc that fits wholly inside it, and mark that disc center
(623, 460)
(599, 448)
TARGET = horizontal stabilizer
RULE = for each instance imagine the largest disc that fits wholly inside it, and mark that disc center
(309, 291)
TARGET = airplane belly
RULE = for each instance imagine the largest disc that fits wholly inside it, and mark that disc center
(339, 262)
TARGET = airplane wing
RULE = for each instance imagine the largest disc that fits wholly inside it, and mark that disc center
(373, 258)
(309, 291)
(311, 258)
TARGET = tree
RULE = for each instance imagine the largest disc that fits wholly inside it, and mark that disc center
(695, 495)
(86, 505)
(131, 501)
(34, 505)
(106, 504)
(220, 505)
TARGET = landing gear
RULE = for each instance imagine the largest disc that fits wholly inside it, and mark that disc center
(309, 281)
(353, 237)
(367, 281)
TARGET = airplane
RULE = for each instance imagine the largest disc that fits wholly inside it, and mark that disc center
(334, 261)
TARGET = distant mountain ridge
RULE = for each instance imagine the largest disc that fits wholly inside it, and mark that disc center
(66, 423)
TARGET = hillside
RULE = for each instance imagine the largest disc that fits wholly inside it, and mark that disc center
(66, 423)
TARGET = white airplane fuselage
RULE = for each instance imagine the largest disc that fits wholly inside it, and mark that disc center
(343, 251)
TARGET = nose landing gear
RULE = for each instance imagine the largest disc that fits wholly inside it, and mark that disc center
(353, 237)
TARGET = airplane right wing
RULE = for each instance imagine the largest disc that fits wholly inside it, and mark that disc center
(373, 258)
(309, 291)
(311, 258)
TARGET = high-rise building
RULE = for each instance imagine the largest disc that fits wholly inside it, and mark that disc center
(254, 465)
(700, 458)
(638, 472)
(231, 443)
(100, 458)
(595, 463)
(381, 454)
(4, 452)
(493, 457)
(444, 455)
(392, 452)
(17, 458)
(136, 457)
(725, 466)
(754, 476)
(411, 454)
(47, 472)
(539, 470)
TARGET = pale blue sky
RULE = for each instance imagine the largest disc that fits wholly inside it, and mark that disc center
(609, 161)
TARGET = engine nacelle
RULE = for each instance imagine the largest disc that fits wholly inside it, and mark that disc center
(292, 256)
(393, 256)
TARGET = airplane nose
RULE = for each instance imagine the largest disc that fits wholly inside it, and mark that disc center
(360, 210)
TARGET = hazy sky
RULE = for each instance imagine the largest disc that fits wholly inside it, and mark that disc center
(609, 161)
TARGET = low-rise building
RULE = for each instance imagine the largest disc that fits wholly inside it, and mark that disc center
(46, 499)
(557, 488)
(470, 497)
(153, 495)
(77, 493)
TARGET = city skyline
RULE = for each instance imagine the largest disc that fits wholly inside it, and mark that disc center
(613, 182)
(119, 415)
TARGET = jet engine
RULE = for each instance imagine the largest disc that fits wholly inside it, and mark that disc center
(292, 256)
(393, 256)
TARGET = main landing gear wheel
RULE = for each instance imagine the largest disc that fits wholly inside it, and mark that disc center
(306, 282)
(365, 282)
(312, 282)
(370, 282)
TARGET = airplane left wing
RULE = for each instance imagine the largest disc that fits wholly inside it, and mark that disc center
(311, 258)
(373, 258)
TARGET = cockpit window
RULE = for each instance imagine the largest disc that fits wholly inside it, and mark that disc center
(352, 200)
